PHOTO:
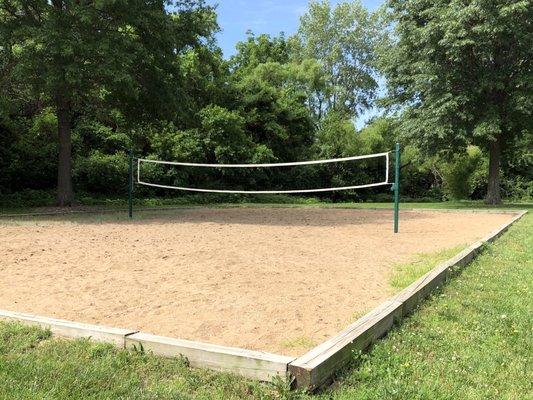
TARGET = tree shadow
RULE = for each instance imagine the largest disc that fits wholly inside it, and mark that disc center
(264, 216)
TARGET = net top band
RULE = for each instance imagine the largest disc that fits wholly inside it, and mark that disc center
(267, 165)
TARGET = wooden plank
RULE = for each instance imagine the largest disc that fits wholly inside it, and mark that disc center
(252, 364)
(59, 327)
(314, 368)
(416, 292)
(317, 366)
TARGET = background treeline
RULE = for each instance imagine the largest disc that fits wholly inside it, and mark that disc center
(277, 99)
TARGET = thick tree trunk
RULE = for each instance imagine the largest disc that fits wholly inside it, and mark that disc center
(65, 193)
(493, 189)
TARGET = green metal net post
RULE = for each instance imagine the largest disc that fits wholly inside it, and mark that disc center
(130, 186)
(396, 187)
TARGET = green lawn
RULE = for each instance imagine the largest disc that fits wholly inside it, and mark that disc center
(472, 340)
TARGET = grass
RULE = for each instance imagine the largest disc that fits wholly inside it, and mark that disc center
(34, 366)
(300, 342)
(471, 340)
(100, 213)
(405, 274)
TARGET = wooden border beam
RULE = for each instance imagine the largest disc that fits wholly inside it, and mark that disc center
(252, 364)
(60, 327)
(318, 366)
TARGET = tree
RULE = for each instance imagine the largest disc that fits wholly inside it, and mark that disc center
(342, 39)
(461, 73)
(116, 53)
(272, 97)
(259, 49)
(275, 112)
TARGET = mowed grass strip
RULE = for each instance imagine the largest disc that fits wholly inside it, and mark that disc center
(472, 340)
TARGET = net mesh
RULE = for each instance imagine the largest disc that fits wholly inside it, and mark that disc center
(173, 175)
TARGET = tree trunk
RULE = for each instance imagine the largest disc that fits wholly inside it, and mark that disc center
(65, 193)
(493, 189)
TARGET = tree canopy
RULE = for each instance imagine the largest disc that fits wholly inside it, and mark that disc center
(343, 40)
(461, 74)
(71, 54)
(81, 82)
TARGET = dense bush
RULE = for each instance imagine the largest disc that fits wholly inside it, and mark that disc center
(101, 162)
(517, 188)
(102, 173)
(30, 157)
(465, 174)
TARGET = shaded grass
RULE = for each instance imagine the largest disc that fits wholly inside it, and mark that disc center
(101, 214)
(405, 274)
(471, 340)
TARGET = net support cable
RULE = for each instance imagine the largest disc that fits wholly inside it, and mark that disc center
(270, 165)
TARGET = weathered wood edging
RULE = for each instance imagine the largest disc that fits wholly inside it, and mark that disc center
(251, 364)
(316, 367)
(71, 329)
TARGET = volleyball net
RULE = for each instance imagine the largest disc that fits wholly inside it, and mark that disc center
(177, 175)
(385, 181)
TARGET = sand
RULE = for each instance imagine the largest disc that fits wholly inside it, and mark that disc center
(273, 279)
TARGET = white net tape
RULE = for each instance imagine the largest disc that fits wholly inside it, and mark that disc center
(271, 165)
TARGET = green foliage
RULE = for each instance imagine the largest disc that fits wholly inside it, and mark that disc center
(31, 156)
(26, 198)
(337, 137)
(342, 39)
(257, 50)
(151, 78)
(518, 188)
(420, 176)
(102, 173)
(517, 181)
(460, 73)
(223, 135)
(205, 81)
(275, 111)
(460, 70)
(73, 56)
(120, 52)
(466, 172)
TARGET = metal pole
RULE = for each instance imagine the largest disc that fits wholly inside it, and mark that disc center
(130, 186)
(396, 187)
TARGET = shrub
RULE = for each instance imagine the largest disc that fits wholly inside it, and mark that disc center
(517, 188)
(102, 173)
(32, 162)
(465, 174)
